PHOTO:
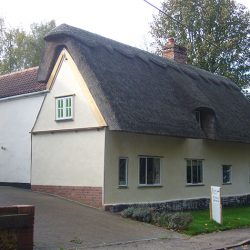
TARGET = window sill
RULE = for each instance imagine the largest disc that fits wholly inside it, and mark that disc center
(64, 120)
(195, 185)
(122, 187)
(229, 183)
(150, 186)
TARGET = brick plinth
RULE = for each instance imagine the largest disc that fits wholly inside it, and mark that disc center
(91, 196)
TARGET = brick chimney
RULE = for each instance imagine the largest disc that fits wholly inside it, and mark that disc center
(175, 52)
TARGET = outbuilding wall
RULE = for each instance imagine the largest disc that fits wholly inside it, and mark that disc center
(18, 116)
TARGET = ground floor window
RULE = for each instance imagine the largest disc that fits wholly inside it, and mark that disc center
(149, 170)
(226, 174)
(123, 171)
(194, 171)
(249, 175)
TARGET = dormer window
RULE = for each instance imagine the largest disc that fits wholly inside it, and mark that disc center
(206, 120)
(198, 116)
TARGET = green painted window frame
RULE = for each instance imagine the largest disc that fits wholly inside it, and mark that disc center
(64, 108)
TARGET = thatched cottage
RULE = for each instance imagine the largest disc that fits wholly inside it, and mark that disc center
(120, 126)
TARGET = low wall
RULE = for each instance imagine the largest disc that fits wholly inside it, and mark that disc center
(16, 227)
(91, 196)
(185, 205)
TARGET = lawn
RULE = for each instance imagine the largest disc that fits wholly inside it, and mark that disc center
(232, 218)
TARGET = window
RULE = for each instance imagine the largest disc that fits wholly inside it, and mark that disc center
(198, 117)
(149, 171)
(194, 172)
(64, 108)
(206, 120)
(123, 171)
(227, 174)
(249, 175)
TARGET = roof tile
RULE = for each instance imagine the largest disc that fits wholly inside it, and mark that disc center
(21, 82)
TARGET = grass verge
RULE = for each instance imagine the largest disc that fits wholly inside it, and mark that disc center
(232, 218)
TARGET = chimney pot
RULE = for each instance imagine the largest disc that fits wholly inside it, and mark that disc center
(175, 52)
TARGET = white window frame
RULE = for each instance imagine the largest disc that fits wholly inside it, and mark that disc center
(126, 172)
(202, 173)
(146, 184)
(64, 107)
(230, 181)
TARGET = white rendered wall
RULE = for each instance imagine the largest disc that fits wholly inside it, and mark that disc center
(68, 158)
(18, 116)
(68, 152)
(68, 81)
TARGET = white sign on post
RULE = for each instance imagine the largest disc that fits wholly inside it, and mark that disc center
(215, 204)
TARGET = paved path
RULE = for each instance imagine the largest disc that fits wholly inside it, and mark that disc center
(62, 223)
(212, 241)
(68, 225)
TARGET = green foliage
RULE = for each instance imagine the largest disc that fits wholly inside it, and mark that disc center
(128, 212)
(19, 49)
(232, 218)
(8, 239)
(179, 221)
(142, 214)
(216, 34)
(176, 221)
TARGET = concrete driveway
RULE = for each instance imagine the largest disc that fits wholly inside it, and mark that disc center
(60, 223)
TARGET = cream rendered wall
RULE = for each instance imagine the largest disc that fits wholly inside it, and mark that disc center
(67, 82)
(68, 158)
(18, 116)
(70, 152)
(174, 152)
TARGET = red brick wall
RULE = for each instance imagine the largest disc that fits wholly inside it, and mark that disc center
(16, 230)
(91, 196)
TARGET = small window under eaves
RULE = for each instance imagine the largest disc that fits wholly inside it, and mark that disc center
(205, 117)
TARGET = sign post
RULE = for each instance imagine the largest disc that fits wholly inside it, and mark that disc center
(215, 204)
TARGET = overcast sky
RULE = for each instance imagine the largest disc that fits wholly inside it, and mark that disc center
(126, 21)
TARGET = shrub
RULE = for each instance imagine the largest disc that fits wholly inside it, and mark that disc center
(176, 221)
(164, 219)
(142, 214)
(156, 217)
(128, 212)
(180, 221)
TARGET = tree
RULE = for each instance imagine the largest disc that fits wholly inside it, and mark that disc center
(19, 49)
(216, 34)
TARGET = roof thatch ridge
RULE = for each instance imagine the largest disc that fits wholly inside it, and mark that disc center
(110, 44)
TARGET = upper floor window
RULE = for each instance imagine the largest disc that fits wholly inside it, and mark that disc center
(206, 119)
(64, 108)
(149, 171)
(194, 171)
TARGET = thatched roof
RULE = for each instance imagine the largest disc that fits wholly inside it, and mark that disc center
(20, 82)
(137, 91)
